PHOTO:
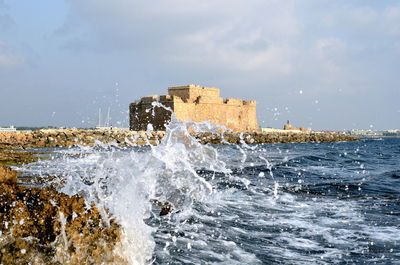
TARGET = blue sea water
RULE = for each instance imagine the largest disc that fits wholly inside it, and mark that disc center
(294, 203)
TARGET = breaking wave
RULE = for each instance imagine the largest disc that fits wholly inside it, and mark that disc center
(184, 202)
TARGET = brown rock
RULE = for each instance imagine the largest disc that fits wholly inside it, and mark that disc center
(7, 175)
(42, 226)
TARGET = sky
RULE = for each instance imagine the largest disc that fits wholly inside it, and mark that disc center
(325, 65)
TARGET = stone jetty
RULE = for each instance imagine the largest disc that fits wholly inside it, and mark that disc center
(90, 137)
(266, 138)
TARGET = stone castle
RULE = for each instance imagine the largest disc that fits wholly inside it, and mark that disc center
(193, 103)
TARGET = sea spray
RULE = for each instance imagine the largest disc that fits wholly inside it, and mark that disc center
(318, 217)
(124, 181)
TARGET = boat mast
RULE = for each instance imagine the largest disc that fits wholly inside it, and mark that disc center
(99, 124)
(108, 117)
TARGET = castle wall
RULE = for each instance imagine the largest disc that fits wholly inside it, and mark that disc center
(234, 116)
(194, 103)
(143, 113)
(190, 93)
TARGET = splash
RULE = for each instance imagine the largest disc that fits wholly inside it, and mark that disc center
(124, 182)
(135, 185)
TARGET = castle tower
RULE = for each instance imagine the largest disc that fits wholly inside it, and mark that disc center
(194, 103)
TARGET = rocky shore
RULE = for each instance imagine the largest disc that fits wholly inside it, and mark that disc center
(43, 226)
(261, 138)
(87, 137)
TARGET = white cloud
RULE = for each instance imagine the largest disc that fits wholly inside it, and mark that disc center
(363, 15)
(270, 47)
(277, 37)
(6, 22)
(244, 36)
(331, 54)
(2, 4)
(328, 67)
(364, 21)
(392, 17)
(227, 48)
(8, 59)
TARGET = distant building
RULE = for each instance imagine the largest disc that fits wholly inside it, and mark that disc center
(8, 129)
(395, 133)
(366, 133)
(193, 103)
(289, 127)
(374, 133)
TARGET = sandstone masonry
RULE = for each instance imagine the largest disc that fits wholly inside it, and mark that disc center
(193, 103)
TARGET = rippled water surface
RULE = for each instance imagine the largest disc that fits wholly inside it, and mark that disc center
(302, 203)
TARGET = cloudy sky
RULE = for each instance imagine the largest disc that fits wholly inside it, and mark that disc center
(319, 63)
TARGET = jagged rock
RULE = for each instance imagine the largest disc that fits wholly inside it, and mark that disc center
(7, 176)
(43, 226)
(16, 157)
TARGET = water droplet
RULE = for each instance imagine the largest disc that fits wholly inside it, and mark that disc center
(276, 187)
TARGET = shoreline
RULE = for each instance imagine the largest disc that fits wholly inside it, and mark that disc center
(91, 137)
(44, 226)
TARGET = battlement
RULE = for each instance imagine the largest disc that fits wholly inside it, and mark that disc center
(249, 102)
(233, 101)
(157, 98)
(194, 103)
(165, 98)
(192, 92)
(149, 99)
(208, 100)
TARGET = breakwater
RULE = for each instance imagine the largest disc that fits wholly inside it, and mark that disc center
(90, 137)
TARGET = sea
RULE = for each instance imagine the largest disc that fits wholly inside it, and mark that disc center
(291, 203)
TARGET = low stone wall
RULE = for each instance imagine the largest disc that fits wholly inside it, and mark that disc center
(259, 138)
(70, 137)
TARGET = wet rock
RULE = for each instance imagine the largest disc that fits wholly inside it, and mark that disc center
(14, 157)
(43, 226)
(7, 176)
(14, 138)
(166, 207)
